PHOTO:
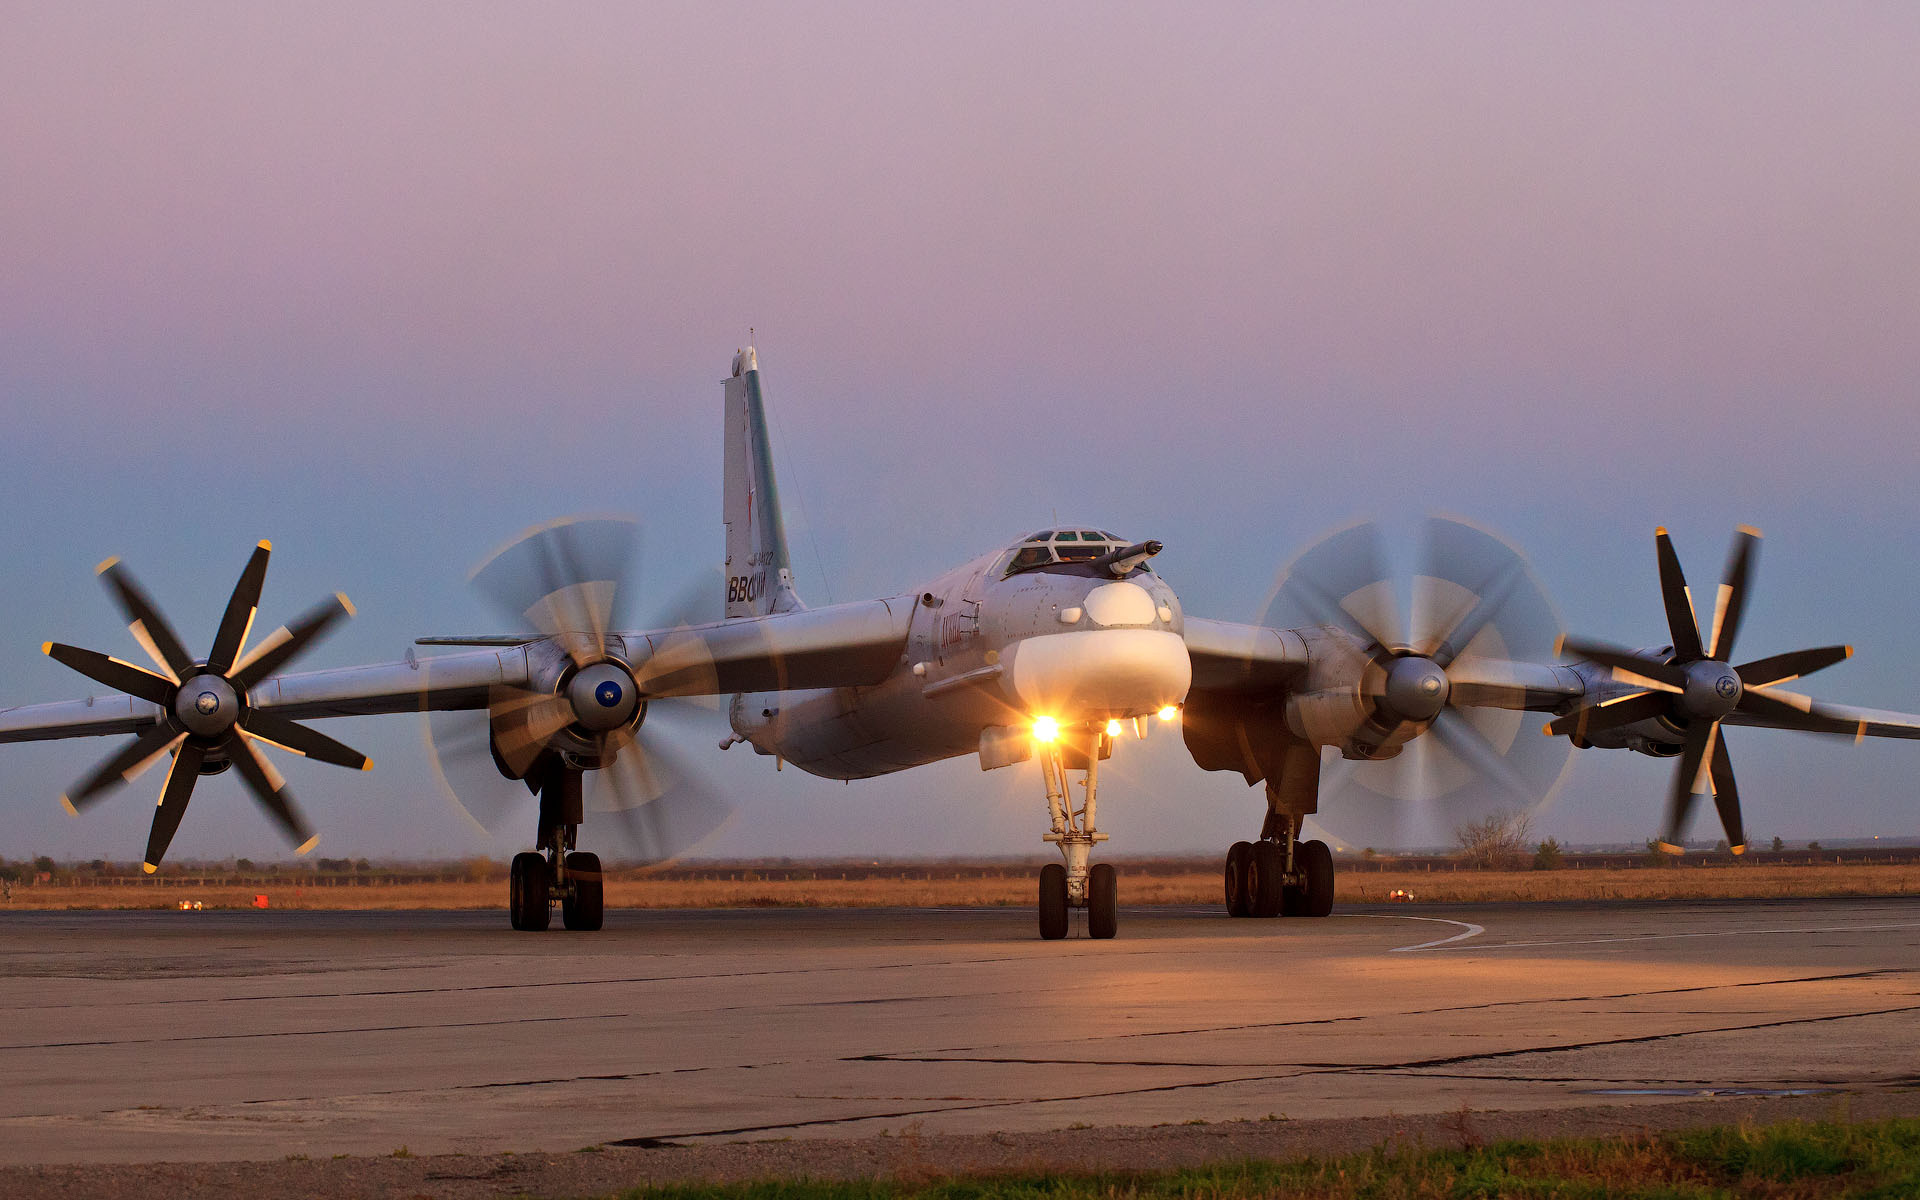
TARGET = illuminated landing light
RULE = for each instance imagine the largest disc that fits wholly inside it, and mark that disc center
(1170, 712)
(1113, 729)
(1046, 729)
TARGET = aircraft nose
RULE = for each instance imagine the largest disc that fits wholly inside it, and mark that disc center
(1097, 674)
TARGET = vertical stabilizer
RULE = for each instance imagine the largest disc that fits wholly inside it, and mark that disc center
(759, 573)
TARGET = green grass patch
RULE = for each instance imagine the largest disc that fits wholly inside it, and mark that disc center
(1789, 1161)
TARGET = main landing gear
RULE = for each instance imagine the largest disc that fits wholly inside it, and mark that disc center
(1076, 883)
(557, 873)
(1279, 875)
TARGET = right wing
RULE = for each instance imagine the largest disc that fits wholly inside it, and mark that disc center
(845, 645)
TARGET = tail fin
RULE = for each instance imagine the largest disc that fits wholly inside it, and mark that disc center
(759, 573)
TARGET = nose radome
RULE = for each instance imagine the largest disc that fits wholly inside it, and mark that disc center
(1099, 673)
(1120, 604)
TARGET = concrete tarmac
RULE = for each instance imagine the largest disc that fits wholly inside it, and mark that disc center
(167, 1036)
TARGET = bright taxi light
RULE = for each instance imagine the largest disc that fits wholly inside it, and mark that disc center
(1046, 729)
(1113, 729)
(1169, 713)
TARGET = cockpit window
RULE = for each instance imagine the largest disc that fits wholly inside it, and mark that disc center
(1066, 551)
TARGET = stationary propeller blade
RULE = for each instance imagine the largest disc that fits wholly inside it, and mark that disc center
(1689, 781)
(149, 628)
(184, 773)
(287, 642)
(1731, 602)
(1628, 666)
(123, 767)
(1682, 623)
(1599, 718)
(213, 726)
(309, 743)
(1726, 797)
(269, 787)
(120, 676)
(241, 607)
(1748, 697)
(1785, 710)
(1785, 668)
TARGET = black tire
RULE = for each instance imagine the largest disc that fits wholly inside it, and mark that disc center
(1053, 902)
(586, 908)
(1266, 880)
(1315, 862)
(1103, 901)
(1239, 869)
(527, 892)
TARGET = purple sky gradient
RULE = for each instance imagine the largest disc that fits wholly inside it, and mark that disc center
(388, 283)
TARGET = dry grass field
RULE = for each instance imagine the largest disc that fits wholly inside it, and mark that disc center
(950, 888)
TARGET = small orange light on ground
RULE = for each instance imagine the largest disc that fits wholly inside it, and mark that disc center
(1400, 896)
(260, 901)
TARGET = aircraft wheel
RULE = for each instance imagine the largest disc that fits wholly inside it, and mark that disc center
(586, 908)
(1103, 901)
(1316, 863)
(527, 892)
(1053, 902)
(1266, 879)
(1239, 883)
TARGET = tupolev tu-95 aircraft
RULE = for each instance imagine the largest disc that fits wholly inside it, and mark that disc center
(1056, 649)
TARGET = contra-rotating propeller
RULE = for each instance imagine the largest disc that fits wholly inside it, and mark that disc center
(597, 706)
(1428, 752)
(205, 720)
(1695, 688)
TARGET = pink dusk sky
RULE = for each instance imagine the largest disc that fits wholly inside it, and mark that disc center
(386, 283)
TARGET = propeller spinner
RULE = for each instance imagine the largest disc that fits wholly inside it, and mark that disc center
(204, 718)
(602, 716)
(1470, 596)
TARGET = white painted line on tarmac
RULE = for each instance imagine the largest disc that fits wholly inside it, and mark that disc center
(1659, 937)
(1467, 930)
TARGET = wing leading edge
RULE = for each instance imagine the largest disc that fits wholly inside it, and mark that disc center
(844, 645)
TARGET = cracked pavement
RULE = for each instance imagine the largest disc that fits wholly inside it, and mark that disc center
(217, 1036)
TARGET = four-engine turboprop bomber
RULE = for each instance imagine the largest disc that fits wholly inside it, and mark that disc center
(1055, 650)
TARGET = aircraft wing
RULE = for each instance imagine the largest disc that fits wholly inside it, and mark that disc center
(840, 646)
(1230, 656)
(1500, 683)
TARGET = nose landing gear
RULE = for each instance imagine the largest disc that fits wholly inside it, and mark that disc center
(1279, 875)
(1078, 882)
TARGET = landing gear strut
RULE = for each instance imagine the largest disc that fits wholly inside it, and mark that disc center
(1279, 874)
(1078, 882)
(556, 873)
